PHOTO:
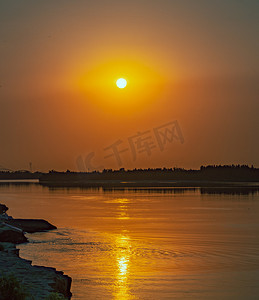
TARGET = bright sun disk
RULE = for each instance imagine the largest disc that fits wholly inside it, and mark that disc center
(121, 83)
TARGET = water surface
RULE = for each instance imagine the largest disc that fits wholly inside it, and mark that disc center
(145, 244)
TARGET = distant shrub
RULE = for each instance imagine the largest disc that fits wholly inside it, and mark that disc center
(11, 289)
(55, 296)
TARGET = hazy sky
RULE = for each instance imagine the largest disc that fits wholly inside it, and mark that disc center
(191, 61)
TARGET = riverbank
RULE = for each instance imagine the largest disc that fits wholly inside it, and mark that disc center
(38, 281)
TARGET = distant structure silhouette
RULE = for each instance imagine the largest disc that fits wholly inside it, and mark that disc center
(3, 169)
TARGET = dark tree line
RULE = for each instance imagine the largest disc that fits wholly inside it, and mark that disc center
(205, 173)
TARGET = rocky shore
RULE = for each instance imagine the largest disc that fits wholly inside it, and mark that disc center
(38, 281)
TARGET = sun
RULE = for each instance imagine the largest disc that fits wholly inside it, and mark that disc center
(121, 83)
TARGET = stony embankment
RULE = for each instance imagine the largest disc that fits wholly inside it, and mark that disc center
(38, 281)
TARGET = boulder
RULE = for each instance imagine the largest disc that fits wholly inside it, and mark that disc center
(31, 225)
(11, 235)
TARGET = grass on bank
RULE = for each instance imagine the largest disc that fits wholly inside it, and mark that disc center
(12, 289)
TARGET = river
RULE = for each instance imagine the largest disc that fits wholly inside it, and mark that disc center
(175, 243)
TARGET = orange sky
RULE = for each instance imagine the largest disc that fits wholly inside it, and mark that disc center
(195, 62)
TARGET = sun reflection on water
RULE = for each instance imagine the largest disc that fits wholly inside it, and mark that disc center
(123, 209)
(123, 255)
(123, 268)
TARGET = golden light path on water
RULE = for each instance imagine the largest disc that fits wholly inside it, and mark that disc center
(123, 254)
(123, 259)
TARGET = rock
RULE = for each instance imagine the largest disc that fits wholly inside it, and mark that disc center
(38, 281)
(31, 225)
(62, 283)
(10, 248)
(11, 235)
(3, 208)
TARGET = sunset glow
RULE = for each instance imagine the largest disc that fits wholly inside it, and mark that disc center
(62, 78)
